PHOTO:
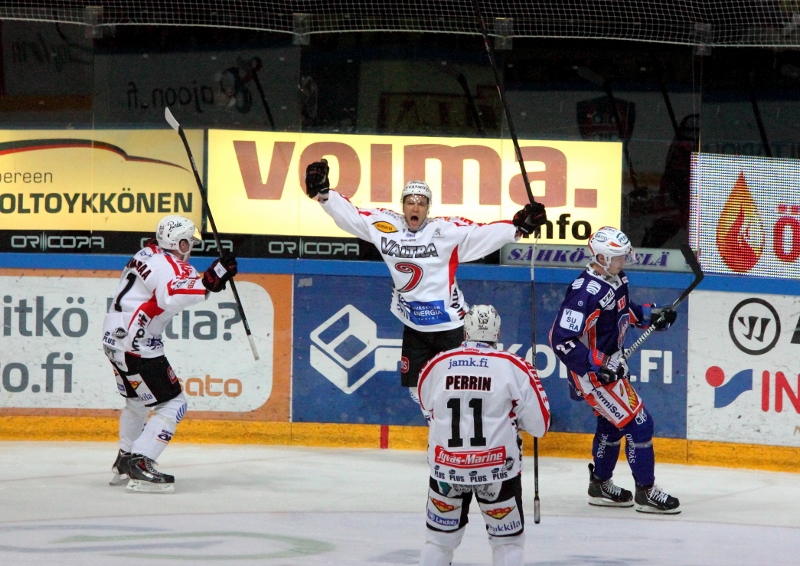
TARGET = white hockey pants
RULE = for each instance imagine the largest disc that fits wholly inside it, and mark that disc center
(439, 548)
(149, 439)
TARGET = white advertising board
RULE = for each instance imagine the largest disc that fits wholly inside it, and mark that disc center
(744, 366)
(52, 355)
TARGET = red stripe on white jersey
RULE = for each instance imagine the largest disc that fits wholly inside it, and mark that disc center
(151, 308)
(452, 266)
(171, 260)
(182, 269)
(193, 290)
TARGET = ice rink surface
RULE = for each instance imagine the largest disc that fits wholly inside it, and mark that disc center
(287, 506)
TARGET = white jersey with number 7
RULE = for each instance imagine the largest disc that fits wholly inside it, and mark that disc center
(422, 264)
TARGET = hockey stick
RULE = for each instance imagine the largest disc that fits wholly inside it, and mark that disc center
(536, 513)
(691, 259)
(605, 84)
(254, 67)
(513, 133)
(177, 127)
(757, 114)
(462, 80)
(501, 91)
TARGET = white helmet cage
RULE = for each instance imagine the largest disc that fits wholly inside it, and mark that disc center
(610, 243)
(417, 188)
(482, 324)
(172, 229)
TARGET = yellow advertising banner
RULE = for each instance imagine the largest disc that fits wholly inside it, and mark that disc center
(256, 179)
(117, 180)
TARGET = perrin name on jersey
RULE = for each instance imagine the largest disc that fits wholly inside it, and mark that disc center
(468, 382)
(392, 248)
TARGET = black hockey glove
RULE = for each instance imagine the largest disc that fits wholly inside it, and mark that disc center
(663, 318)
(530, 218)
(317, 182)
(610, 369)
(219, 273)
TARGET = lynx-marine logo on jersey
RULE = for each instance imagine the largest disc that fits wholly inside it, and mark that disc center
(385, 227)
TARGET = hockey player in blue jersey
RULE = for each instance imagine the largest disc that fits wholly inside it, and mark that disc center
(588, 336)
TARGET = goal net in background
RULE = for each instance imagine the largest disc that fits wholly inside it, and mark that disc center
(687, 22)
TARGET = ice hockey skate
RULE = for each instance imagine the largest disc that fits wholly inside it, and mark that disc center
(120, 468)
(651, 499)
(606, 493)
(145, 478)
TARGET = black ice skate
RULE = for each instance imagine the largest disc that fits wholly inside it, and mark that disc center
(606, 494)
(145, 478)
(120, 468)
(651, 499)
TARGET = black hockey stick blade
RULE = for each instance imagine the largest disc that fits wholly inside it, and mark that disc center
(694, 265)
(177, 127)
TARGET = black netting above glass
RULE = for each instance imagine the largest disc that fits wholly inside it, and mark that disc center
(688, 22)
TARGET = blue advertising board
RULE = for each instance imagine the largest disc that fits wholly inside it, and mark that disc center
(347, 350)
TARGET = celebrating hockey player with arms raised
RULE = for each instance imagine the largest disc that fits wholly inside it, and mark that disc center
(156, 284)
(588, 336)
(422, 254)
(478, 399)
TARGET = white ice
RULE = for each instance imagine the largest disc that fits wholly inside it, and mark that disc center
(286, 506)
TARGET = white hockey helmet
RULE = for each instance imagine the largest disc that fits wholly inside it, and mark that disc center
(417, 188)
(173, 228)
(482, 324)
(610, 242)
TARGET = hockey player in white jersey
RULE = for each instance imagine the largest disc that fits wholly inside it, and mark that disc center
(422, 255)
(156, 284)
(478, 399)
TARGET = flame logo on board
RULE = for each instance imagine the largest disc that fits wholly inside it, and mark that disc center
(740, 234)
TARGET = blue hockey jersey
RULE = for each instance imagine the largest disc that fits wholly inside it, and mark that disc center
(593, 319)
